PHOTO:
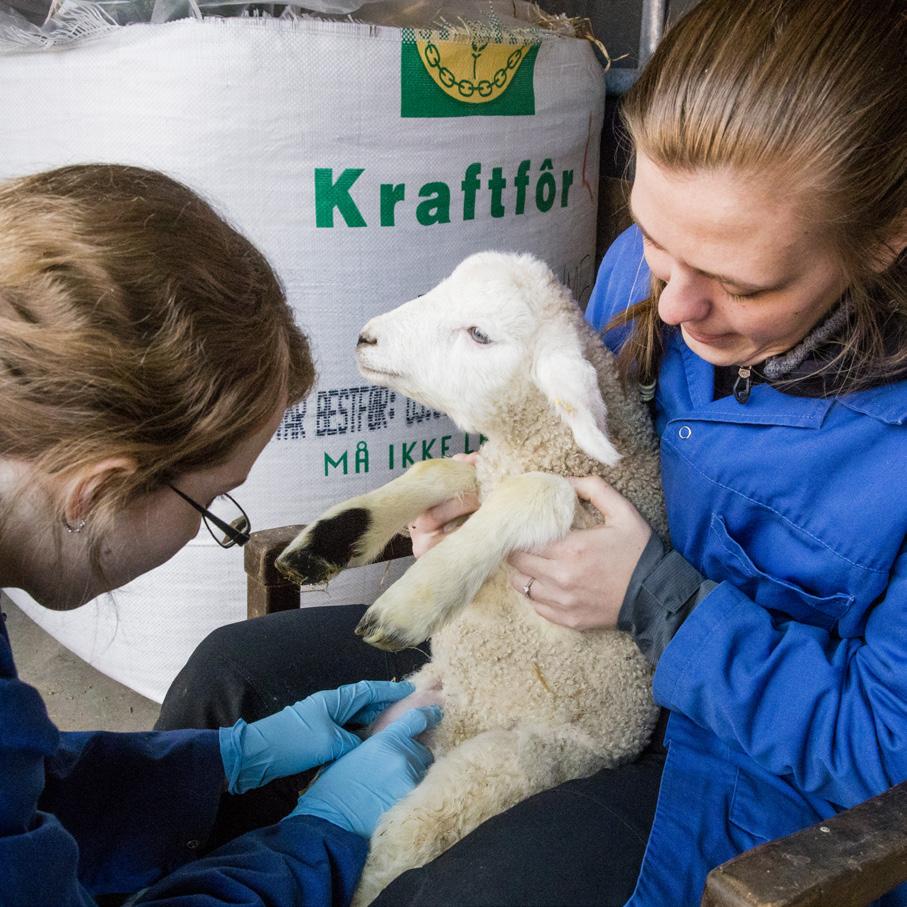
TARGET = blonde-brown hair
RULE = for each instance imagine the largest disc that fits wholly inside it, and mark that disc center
(812, 90)
(135, 323)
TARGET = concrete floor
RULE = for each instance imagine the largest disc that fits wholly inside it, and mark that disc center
(78, 697)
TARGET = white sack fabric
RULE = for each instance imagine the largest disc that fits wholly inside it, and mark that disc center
(365, 162)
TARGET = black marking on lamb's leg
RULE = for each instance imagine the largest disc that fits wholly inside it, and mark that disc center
(335, 539)
(371, 630)
(330, 545)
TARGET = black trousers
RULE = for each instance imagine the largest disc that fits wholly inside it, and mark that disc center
(577, 844)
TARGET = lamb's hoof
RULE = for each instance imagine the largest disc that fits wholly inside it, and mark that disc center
(323, 549)
(380, 635)
(305, 568)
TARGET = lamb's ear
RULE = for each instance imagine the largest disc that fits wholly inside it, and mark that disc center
(570, 383)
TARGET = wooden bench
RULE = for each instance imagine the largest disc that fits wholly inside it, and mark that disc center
(847, 861)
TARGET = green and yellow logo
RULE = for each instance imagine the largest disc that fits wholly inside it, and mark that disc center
(465, 78)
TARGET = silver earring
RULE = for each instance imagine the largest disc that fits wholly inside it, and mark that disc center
(72, 529)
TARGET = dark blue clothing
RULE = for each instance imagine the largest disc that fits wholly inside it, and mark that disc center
(85, 814)
(788, 683)
(545, 850)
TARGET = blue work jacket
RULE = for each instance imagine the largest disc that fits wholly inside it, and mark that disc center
(787, 685)
(84, 814)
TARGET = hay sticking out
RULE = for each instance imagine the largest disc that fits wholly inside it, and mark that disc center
(570, 26)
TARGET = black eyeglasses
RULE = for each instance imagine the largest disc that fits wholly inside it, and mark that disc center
(232, 531)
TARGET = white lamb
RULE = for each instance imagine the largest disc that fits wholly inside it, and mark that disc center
(502, 348)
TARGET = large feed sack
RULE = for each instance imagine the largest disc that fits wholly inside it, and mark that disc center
(366, 161)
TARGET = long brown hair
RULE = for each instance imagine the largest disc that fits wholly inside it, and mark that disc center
(134, 322)
(813, 89)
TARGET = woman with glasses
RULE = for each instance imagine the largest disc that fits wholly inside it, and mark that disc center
(147, 355)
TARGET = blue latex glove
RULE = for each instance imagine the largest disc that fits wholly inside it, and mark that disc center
(303, 735)
(356, 790)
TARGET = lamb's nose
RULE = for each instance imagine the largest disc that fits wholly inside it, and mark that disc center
(366, 339)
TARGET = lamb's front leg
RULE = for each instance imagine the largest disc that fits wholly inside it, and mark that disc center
(523, 513)
(357, 531)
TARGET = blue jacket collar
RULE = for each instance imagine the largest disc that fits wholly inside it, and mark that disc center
(766, 406)
(887, 403)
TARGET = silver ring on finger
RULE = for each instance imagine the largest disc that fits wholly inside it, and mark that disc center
(527, 589)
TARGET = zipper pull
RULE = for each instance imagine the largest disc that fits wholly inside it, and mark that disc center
(743, 384)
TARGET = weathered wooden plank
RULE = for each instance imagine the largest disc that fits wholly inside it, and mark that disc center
(849, 860)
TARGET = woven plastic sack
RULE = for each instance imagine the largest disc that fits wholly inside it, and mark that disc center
(366, 162)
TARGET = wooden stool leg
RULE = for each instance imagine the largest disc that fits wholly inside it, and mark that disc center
(267, 590)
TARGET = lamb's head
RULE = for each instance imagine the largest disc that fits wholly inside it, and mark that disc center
(499, 327)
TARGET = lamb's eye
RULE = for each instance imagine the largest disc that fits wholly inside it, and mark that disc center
(478, 336)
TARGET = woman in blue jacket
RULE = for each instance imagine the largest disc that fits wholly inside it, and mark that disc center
(146, 357)
(762, 298)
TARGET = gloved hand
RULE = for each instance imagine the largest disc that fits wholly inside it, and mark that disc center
(303, 735)
(356, 790)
